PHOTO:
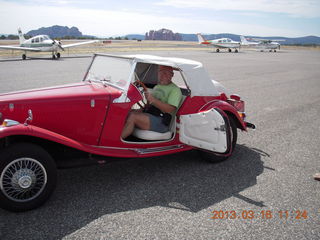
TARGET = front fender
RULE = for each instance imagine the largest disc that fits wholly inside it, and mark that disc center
(226, 107)
(40, 133)
(33, 131)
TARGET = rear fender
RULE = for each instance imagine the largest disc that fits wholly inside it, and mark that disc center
(228, 109)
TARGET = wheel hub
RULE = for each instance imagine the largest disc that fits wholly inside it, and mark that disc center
(25, 182)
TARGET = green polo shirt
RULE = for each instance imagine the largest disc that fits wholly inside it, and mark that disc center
(170, 94)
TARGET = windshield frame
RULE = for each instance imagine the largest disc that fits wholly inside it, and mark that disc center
(128, 79)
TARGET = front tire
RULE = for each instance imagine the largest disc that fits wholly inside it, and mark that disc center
(214, 158)
(28, 177)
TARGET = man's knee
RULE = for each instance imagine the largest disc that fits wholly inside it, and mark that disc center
(133, 116)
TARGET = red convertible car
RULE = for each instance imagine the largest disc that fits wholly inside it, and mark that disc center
(39, 125)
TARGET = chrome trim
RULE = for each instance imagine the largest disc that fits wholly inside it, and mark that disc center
(11, 106)
(92, 103)
(9, 123)
(29, 118)
(221, 128)
(158, 149)
(145, 150)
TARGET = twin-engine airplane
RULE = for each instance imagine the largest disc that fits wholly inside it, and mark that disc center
(262, 44)
(42, 43)
(220, 43)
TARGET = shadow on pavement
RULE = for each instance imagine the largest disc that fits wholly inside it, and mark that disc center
(181, 181)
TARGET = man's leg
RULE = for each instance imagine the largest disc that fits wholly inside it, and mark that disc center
(141, 120)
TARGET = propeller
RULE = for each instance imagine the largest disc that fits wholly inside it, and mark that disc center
(57, 43)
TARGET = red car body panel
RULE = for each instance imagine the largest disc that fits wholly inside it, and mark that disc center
(84, 116)
(63, 110)
(89, 116)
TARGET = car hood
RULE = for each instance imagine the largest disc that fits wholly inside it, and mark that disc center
(77, 111)
(69, 91)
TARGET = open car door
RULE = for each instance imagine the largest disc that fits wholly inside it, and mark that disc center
(208, 130)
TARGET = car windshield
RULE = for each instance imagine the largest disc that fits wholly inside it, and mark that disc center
(111, 71)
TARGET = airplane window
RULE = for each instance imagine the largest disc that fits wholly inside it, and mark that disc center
(41, 39)
(32, 40)
(37, 40)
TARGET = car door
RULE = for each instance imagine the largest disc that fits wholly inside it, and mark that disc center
(208, 130)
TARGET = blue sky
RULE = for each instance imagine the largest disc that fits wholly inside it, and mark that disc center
(289, 18)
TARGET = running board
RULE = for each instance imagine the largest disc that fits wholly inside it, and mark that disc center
(157, 149)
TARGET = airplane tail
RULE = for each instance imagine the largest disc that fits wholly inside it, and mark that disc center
(201, 39)
(244, 41)
(21, 37)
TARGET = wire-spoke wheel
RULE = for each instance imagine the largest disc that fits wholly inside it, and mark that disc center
(23, 180)
(27, 177)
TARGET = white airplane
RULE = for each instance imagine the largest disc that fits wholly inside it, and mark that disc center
(262, 44)
(220, 43)
(42, 43)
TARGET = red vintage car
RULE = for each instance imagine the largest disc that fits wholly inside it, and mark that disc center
(39, 125)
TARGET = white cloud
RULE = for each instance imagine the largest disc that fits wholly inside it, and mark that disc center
(295, 8)
(111, 23)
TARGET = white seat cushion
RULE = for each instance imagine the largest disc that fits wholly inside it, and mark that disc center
(151, 135)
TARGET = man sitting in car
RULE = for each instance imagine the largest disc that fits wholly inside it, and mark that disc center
(163, 102)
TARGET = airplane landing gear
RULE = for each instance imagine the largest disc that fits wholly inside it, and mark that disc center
(274, 50)
(54, 56)
(218, 50)
(229, 49)
(24, 56)
(236, 50)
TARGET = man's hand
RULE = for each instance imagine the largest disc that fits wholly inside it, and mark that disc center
(149, 97)
(164, 107)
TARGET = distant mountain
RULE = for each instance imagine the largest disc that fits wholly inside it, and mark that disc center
(135, 36)
(287, 41)
(166, 34)
(57, 32)
(163, 34)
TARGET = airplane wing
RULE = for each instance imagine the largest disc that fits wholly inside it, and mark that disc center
(79, 43)
(268, 40)
(20, 48)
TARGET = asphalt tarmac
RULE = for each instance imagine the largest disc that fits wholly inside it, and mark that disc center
(265, 190)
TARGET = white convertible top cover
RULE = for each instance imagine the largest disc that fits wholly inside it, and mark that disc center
(195, 75)
(197, 78)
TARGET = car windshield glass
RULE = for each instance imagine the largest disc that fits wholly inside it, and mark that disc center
(111, 71)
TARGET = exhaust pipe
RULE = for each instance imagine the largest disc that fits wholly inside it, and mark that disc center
(250, 125)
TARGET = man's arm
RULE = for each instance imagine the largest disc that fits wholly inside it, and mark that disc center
(164, 107)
